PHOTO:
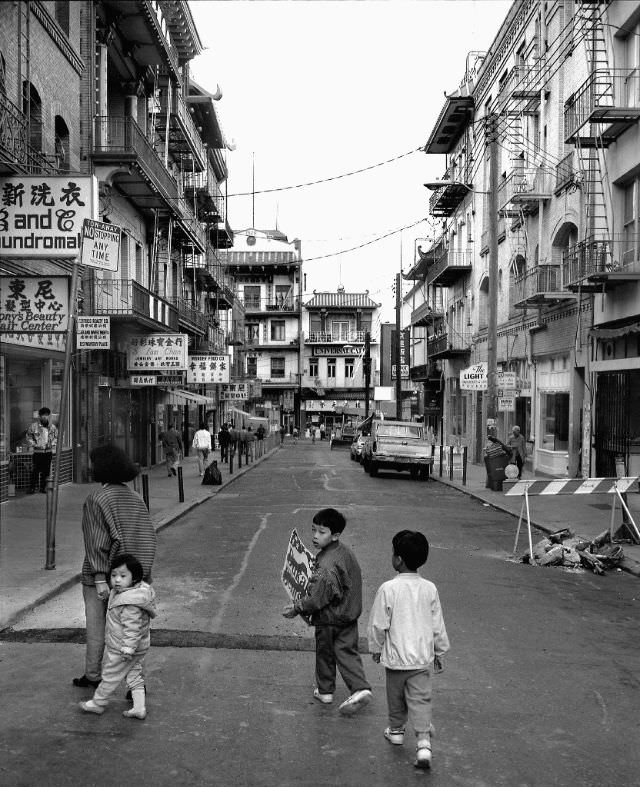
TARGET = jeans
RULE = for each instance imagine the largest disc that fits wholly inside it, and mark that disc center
(338, 645)
(41, 466)
(96, 613)
(409, 697)
(114, 669)
(203, 455)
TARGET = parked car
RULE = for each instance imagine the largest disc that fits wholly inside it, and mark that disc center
(357, 446)
(397, 445)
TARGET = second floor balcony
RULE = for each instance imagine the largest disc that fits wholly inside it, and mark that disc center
(603, 107)
(449, 268)
(539, 286)
(445, 199)
(522, 190)
(126, 301)
(601, 264)
(190, 316)
(432, 309)
(336, 337)
(119, 140)
(210, 198)
(449, 344)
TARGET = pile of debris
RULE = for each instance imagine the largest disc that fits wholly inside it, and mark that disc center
(562, 548)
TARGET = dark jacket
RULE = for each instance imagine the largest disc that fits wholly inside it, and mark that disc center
(224, 438)
(334, 592)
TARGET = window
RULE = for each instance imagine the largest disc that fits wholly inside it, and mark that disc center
(61, 144)
(277, 367)
(349, 368)
(252, 366)
(139, 265)
(631, 222)
(331, 368)
(62, 14)
(252, 333)
(252, 297)
(313, 367)
(340, 331)
(32, 108)
(554, 421)
(283, 296)
(632, 63)
(277, 330)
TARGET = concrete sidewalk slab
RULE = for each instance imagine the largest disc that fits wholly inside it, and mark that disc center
(24, 581)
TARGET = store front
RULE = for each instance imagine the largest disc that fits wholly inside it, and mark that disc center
(553, 407)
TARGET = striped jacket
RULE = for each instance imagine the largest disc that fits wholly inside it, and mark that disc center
(115, 520)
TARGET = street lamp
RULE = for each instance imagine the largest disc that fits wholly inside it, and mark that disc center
(440, 184)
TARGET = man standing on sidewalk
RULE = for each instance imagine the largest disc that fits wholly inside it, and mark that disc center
(42, 436)
(172, 444)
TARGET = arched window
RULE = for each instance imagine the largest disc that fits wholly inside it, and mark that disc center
(61, 144)
(483, 304)
(32, 108)
(516, 282)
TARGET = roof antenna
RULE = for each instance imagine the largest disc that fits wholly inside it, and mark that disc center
(253, 190)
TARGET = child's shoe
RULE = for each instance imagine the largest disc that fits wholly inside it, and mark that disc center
(325, 699)
(394, 736)
(139, 711)
(356, 701)
(90, 707)
(132, 713)
(423, 754)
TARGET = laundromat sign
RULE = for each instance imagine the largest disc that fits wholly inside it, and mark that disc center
(34, 304)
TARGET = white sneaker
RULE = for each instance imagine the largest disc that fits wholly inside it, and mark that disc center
(325, 699)
(394, 736)
(356, 701)
(423, 754)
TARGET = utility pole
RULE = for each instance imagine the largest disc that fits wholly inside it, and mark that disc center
(398, 354)
(366, 368)
(492, 325)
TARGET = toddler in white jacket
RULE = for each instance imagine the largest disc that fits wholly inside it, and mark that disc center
(406, 633)
(127, 637)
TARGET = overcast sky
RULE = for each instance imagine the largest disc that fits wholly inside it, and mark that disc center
(312, 90)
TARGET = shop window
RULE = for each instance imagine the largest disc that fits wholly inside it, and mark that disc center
(313, 367)
(277, 330)
(349, 368)
(331, 368)
(554, 421)
(277, 367)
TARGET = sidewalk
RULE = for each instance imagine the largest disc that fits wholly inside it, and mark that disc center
(25, 583)
(585, 515)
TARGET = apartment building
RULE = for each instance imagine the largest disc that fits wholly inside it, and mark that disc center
(553, 107)
(341, 331)
(266, 269)
(100, 118)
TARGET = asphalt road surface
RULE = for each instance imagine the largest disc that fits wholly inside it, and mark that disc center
(541, 686)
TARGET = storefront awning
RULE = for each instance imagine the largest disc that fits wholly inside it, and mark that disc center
(615, 333)
(189, 396)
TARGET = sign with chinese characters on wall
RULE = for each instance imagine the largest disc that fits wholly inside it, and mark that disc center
(94, 333)
(136, 380)
(234, 392)
(34, 304)
(208, 369)
(42, 216)
(157, 352)
(100, 245)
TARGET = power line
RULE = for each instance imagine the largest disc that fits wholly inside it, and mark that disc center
(326, 180)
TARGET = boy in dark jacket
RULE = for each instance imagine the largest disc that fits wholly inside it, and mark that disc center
(333, 604)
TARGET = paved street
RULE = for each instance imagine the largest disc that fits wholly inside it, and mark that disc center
(541, 686)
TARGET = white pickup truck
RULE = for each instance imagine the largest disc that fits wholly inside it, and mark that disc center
(397, 445)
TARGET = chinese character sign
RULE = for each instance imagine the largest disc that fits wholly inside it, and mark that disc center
(299, 563)
(94, 333)
(160, 352)
(234, 392)
(34, 304)
(208, 369)
(42, 216)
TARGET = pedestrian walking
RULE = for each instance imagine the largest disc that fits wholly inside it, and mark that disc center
(407, 636)
(127, 636)
(243, 441)
(202, 444)
(322, 431)
(224, 438)
(282, 433)
(42, 437)
(115, 521)
(518, 447)
(295, 434)
(173, 449)
(234, 438)
(333, 604)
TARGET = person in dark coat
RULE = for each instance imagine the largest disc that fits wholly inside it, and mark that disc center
(224, 438)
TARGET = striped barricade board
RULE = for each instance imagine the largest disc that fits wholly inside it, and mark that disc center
(574, 486)
(571, 486)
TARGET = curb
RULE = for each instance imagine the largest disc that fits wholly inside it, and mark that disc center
(160, 522)
(627, 564)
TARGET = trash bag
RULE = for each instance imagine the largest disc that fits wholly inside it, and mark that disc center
(212, 476)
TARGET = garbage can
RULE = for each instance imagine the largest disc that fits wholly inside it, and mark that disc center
(495, 462)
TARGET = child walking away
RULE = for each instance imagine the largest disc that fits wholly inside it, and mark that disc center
(407, 635)
(333, 604)
(127, 637)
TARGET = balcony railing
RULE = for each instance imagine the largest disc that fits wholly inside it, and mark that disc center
(564, 173)
(522, 84)
(13, 133)
(156, 17)
(451, 267)
(282, 304)
(523, 188)
(189, 131)
(125, 297)
(609, 101)
(205, 182)
(426, 312)
(448, 344)
(192, 228)
(331, 337)
(446, 199)
(121, 138)
(539, 285)
(190, 314)
(614, 261)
